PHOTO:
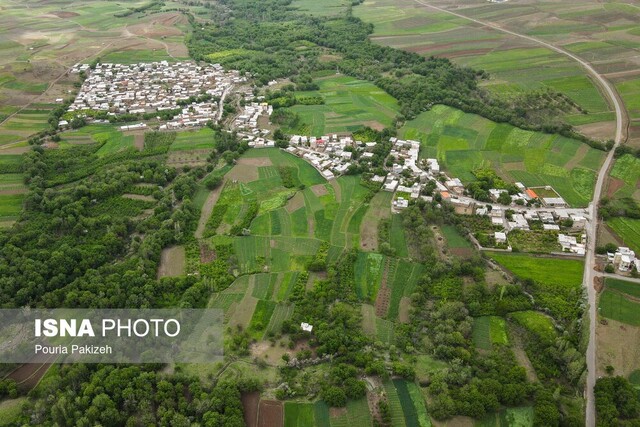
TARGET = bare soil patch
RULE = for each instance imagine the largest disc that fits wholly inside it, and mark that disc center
(14, 191)
(521, 355)
(319, 190)
(577, 158)
(337, 412)
(138, 197)
(255, 161)
(172, 262)
(403, 310)
(374, 124)
(295, 203)
(243, 173)
(624, 358)
(64, 14)
(614, 185)
(250, 404)
(206, 254)
(188, 158)
(337, 190)
(600, 130)
(270, 414)
(138, 141)
(384, 293)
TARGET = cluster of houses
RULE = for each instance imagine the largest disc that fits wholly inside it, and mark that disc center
(624, 259)
(153, 87)
(331, 155)
(246, 123)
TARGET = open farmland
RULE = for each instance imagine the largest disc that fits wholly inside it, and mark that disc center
(42, 41)
(602, 34)
(349, 104)
(464, 142)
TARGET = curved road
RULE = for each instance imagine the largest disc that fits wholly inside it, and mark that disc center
(587, 280)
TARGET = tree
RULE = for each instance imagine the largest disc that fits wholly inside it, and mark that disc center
(334, 396)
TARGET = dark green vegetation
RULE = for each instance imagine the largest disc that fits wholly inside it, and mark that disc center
(617, 402)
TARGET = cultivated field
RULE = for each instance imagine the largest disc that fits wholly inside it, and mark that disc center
(349, 105)
(619, 305)
(604, 34)
(464, 142)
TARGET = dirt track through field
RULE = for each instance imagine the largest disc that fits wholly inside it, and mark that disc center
(207, 208)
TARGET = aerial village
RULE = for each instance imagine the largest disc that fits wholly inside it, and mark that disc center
(192, 91)
(198, 92)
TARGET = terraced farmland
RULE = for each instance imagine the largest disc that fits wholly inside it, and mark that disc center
(464, 142)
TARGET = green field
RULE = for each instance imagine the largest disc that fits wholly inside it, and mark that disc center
(356, 414)
(454, 239)
(629, 288)
(201, 139)
(558, 271)
(509, 417)
(299, 414)
(513, 68)
(616, 306)
(10, 206)
(324, 8)
(465, 142)
(489, 330)
(349, 105)
(628, 230)
(537, 323)
(627, 170)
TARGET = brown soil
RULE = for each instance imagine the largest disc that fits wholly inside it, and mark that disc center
(600, 130)
(250, 404)
(206, 254)
(172, 262)
(577, 158)
(138, 141)
(384, 293)
(337, 412)
(13, 191)
(243, 173)
(270, 414)
(255, 161)
(624, 358)
(138, 197)
(319, 190)
(295, 203)
(403, 312)
(614, 185)
(63, 14)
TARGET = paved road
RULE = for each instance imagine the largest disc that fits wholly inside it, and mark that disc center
(587, 280)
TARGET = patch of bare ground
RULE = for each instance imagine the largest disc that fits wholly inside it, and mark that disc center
(138, 141)
(13, 191)
(205, 213)
(250, 405)
(295, 203)
(373, 124)
(64, 14)
(206, 253)
(310, 226)
(270, 414)
(172, 262)
(337, 412)
(14, 150)
(319, 190)
(243, 173)
(600, 130)
(614, 185)
(384, 293)
(255, 161)
(403, 310)
(138, 197)
(625, 359)
(188, 158)
(242, 315)
(607, 235)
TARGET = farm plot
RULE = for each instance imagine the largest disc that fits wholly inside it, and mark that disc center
(628, 230)
(379, 208)
(10, 207)
(356, 414)
(464, 142)
(537, 323)
(620, 306)
(626, 169)
(489, 330)
(513, 66)
(555, 283)
(349, 105)
(368, 271)
(301, 414)
(403, 282)
(193, 140)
